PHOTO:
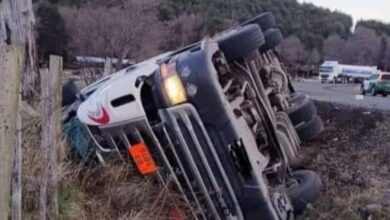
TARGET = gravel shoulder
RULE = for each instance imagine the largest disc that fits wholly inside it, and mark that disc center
(352, 157)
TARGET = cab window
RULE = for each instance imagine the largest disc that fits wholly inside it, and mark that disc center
(386, 77)
(374, 77)
(326, 69)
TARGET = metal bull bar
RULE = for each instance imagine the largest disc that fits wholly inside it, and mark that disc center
(202, 164)
(185, 155)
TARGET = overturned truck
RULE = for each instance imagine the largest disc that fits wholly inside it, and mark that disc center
(219, 118)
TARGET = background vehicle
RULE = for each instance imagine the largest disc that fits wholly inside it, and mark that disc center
(377, 84)
(334, 72)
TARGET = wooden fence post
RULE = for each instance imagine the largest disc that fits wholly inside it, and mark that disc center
(16, 182)
(51, 137)
(11, 61)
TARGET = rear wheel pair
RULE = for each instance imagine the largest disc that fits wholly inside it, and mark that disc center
(303, 115)
(273, 36)
(255, 34)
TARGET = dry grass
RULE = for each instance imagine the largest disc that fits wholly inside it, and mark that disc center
(347, 208)
(95, 192)
(352, 157)
(112, 192)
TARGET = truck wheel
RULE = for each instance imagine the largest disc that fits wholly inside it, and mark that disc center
(305, 189)
(296, 96)
(69, 92)
(273, 37)
(373, 91)
(302, 110)
(384, 94)
(310, 130)
(265, 21)
(241, 42)
(362, 90)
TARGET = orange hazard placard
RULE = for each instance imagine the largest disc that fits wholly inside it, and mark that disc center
(143, 159)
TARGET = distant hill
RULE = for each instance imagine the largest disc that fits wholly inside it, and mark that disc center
(310, 23)
(380, 27)
(312, 33)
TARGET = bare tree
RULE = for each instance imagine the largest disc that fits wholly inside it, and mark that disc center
(184, 30)
(293, 51)
(333, 48)
(385, 56)
(314, 57)
(114, 32)
(363, 47)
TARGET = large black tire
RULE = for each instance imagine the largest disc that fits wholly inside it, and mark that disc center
(273, 37)
(69, 92)
(305, 190)
(310, 130)
(265, 21)
(241, 42)
(302, 110)
(296, 96)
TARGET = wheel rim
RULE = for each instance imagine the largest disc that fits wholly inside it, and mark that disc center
(282, 205)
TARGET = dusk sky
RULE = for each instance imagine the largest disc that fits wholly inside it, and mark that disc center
(358, 9)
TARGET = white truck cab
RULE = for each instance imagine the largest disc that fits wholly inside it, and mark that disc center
(116, 98)
(329, 71)
(334, 72)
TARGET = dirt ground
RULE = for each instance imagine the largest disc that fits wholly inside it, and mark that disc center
(352, 156)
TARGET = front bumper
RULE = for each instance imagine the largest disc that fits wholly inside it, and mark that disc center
(216, 177)
(208, 174)
(185, 155)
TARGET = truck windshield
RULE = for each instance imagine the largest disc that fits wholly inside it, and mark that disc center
(326, 69)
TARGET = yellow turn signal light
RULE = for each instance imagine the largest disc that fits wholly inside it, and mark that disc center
(174, 89)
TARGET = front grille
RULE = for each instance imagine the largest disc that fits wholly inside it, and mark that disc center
(185, 154)
(199, 163)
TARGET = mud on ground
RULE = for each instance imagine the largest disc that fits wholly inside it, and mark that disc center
(353, 158)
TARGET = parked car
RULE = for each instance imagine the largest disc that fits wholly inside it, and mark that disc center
(216, 119)
(376, 84)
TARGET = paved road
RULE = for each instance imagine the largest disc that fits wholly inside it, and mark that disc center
(342, 93)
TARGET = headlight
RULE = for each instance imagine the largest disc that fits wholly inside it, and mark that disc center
(174, 88)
